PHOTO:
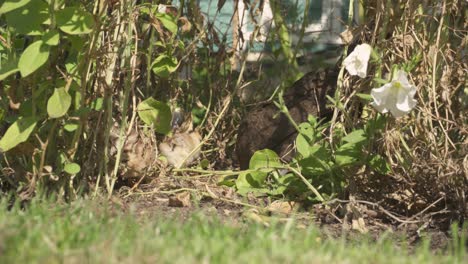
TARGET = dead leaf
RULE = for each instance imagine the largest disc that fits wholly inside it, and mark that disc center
(282, 207)
(347, 36)
(180, 200)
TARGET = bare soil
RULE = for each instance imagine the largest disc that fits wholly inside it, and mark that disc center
(182, 197)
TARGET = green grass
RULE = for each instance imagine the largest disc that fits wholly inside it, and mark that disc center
(87, 232)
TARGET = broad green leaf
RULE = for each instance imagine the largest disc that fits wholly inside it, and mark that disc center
(265, 158)
(251, 181)
(164, 65)
(155, 114)
(229, 181)
(98, 104)
(10, 5)
(51, 38)
(168, 21)
(70, 127)
(17, 133)
(59, 103)
(376, 124)
(379, 164)
(33, 57)
(302, 146)
(307, 130)
(318, 161)
(75, 21)
(348, 154)
(356, 136)
(8, 69)
(28, 20)
(72, 168)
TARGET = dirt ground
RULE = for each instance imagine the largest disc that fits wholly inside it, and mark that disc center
(181, 197)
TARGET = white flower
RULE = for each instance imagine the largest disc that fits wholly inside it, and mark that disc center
(356, 62)
(162, 8)
(395, 97)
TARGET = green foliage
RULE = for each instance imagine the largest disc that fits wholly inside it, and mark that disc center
(10, 5)
(72, 168)
(75, 21)
(321, 164)
(72, 65)
(59, 103)
(155, 114)
(164, 65)
(33, 57)
(18, 133)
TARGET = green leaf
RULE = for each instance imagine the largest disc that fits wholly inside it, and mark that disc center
(168, 22)
(380, 81)
(8, 69)
(229, 181)
(72, 168)
(17, 133)
(265, 158)
(376, 124)
(155, 114)
(51, 38)
(302, 146)
(164, 65)
(75, 21)
(317, 162)
(356, 136)
(251, 181)
(70, 127)
(10, 5)
(33, 57)
(98, 104)
(365, 97)
(379, 164)
(59, 103)
(348, 154)
(307, 130)
(28, 20)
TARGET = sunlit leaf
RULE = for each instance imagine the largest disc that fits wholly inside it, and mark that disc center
(10, 5)
(59, 103)
(168, 21)
(70, 127)
(8, 69)
(17, 133)
(251, 181)
(75, 21)
(302, 146)
(164, 65)
(72, 168)
(356, 136)
(155, 114)
(28, 20)
(265, 158)
(33, 57)
(51, 38)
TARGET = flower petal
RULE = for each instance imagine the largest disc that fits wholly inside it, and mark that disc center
(357, 60)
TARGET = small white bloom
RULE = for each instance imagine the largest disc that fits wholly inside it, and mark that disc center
(162, 8)
(396, 96)
(356, 62)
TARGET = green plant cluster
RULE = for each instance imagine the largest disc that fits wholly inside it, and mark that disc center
(69, 71)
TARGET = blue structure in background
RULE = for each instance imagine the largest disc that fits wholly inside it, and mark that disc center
(326, 19)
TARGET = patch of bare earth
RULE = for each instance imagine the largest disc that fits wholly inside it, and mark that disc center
(179, 198)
